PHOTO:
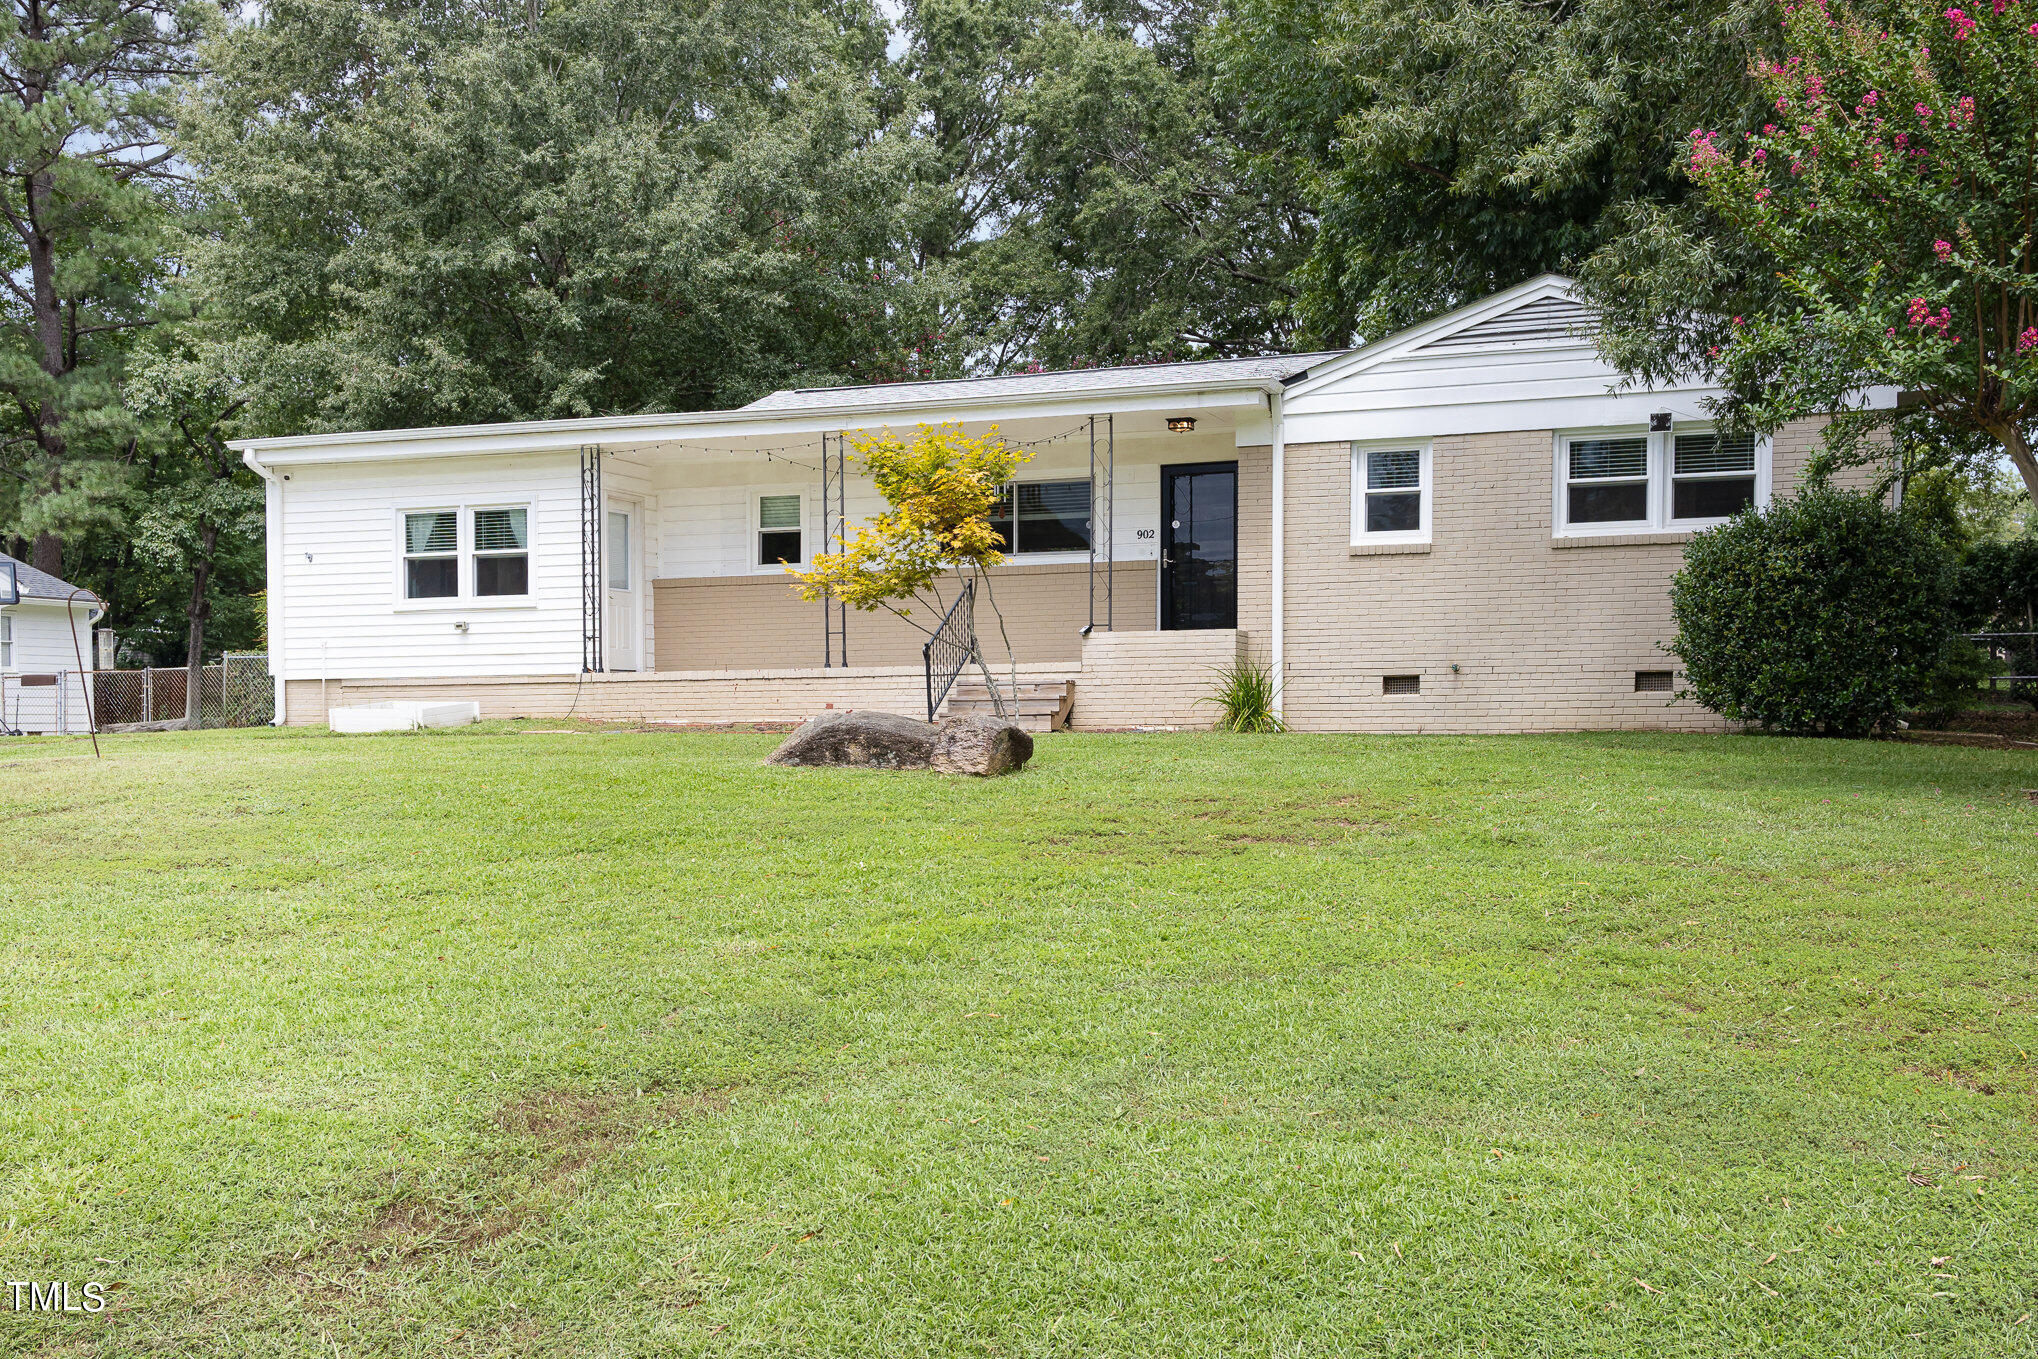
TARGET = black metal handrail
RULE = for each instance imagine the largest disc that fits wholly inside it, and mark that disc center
(952, 646)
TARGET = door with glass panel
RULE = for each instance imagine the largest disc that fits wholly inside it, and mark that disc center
(622, 627)
(1199, 546)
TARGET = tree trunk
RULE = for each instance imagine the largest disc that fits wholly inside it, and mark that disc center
(48, 554)
(2021, 457)
(198, 612)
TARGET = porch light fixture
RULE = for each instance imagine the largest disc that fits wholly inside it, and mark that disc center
(1181, 424)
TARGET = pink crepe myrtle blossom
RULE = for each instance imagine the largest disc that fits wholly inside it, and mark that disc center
(2027, 339)
(1943, 249)
(1962, 25)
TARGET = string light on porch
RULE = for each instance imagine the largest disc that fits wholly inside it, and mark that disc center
(783, 452)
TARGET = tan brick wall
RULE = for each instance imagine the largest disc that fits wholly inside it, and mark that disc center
(752, 622)
(1151, 679)
(1545, 634)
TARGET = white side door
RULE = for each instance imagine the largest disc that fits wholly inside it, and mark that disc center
(622, 626)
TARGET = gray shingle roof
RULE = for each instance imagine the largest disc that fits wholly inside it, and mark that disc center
(41, 584)
(1216, 372)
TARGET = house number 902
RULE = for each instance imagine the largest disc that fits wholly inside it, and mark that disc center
(1144, 533)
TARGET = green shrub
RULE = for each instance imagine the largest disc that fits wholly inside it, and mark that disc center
(1246, 697)
(1824, 614)
(1956, 680)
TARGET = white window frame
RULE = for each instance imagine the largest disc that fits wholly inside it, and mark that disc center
(6, 639)
(753, 544)
(463, 533)
(470, 553)
(1661, 444)
(1058, 554)
(1360, 450)
(1761, 474)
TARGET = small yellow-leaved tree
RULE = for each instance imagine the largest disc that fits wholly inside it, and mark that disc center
(939, 487)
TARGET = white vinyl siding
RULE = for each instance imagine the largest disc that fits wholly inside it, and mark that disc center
(339, 539)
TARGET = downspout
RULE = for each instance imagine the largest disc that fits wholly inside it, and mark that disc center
(1280, 546)
(273, 593)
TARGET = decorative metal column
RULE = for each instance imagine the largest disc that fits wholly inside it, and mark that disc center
(591, 578)
(1103, 516)
(834, 527)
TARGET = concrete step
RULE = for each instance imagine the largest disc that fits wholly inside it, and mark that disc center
(1032, 705)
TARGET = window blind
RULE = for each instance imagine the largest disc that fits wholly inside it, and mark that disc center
(1397, 470)
(1609, 458)
(436, 531)
(778, 512)
(1700, 454)
(501, 530)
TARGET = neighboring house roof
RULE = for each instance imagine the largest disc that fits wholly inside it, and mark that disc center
(36, 584)
(1134, 377)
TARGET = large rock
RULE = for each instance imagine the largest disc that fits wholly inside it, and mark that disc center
(979, 745)
(869, 740)
(873, 740)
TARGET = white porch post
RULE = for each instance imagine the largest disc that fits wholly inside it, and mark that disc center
(1280, 549)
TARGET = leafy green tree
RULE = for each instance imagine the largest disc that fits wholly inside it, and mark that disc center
(1092, 201)
(200, 511)
(495, 211)
(1895, 193)
(1824, 614)
(1455, 147)
(86, 97)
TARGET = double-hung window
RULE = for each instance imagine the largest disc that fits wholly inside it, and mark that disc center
(431, 554)
(1607, 480)
(1628, 481)
(1044, 516)
(502, 551)
(778, 530)
(1712, 476)
(466, 553)
(6, 640)
(1390, 493)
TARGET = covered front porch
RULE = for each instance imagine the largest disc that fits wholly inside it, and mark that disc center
(1120, 521)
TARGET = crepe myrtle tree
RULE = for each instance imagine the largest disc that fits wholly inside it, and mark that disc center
(1895, 190)
(940, 487)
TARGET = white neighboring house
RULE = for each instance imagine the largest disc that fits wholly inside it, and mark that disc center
(41, 689)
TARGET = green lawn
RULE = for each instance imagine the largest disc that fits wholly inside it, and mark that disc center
(623, 1044)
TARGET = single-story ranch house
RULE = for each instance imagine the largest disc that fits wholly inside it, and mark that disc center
(1469, 526)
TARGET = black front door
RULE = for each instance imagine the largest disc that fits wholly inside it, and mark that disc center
(1199, 545)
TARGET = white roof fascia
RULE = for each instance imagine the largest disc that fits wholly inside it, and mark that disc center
(1401, 341)
(548, 436)
(1570, 410)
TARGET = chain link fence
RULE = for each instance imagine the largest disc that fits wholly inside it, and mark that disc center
(235, 693)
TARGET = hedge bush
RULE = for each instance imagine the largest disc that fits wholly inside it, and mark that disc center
(1821, 615)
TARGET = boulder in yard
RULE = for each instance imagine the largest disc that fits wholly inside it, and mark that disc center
(979, 745)
(873, 740)
(867, 740)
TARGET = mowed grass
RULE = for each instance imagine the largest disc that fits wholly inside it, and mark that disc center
(624, 1044)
